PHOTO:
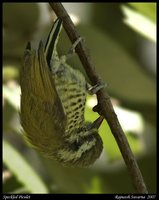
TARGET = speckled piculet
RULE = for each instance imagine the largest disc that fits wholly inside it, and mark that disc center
(53, 97)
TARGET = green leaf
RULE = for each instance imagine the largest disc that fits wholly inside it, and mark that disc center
(22, 170)
(12, 95)
(10, 72)
(147, 9)
(95, 186)
(140, 23)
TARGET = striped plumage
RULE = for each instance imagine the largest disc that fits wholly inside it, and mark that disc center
(52, 106)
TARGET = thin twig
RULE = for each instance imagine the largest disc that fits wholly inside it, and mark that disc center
(104, 103)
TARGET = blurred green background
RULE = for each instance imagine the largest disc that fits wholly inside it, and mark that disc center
(122, 43)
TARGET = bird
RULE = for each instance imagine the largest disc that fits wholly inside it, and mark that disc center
(53, 100)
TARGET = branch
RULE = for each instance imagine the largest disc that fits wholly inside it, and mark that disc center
(104, 103)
